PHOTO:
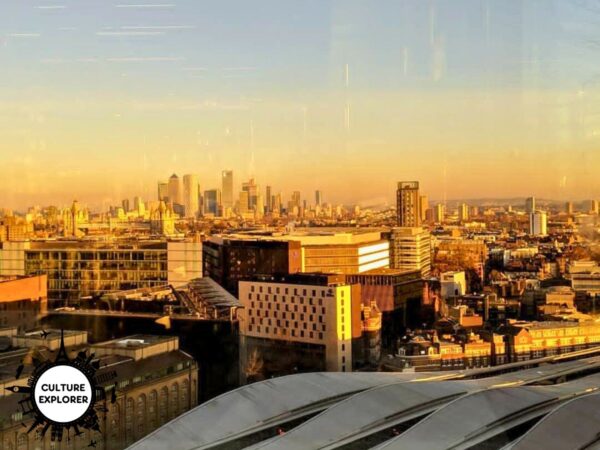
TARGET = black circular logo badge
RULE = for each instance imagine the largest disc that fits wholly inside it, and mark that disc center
(62, 394)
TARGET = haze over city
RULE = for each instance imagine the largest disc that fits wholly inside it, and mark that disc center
(290, 225)
(473, 98)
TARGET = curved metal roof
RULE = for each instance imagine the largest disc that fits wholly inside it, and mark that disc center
(485, 414)
(575, 424)
(364, 413)
(261, 405)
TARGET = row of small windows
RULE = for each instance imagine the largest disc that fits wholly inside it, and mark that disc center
(260, 306)
(277, 290)
(279, 323)
(284, 332)
(284, 298)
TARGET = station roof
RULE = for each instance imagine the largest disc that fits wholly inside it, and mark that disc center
(575, 424)
(261, 405)
(485, 414)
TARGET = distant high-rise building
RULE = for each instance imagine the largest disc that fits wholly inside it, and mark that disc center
(212, 202)
(190, 195)
(440, 213)
(276, 203)
(594, 206)
(318, 198)
(569, 207)
(260, 205)
(538, 223)
(139, 206)
(252, 189)
(423, 206)
(463, 212)
(269, 206)
(296, 199)
(175, 190)
(163, 192)
(125, 204)
(244, 203)
(408, 204)
(530, 205)
(227, 188)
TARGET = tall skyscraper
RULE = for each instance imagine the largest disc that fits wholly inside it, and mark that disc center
(227, 188)
(318, 198)
(269, 207)
(244, 203)
(538, 223)
(276, 202)
(190, 195)
(260, 205)
(407, 204)
(212, 202)
(125, 204)
(175, 190)
(530, 205)
(296, 199)
(252, 189)
(163, 191)
(440, 213)
(594, 206)
(463, 212)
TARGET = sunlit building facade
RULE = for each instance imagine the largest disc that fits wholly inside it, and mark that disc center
(306, 320)
(190, 195)
(410, 249)
(408, 204)
(227, 188)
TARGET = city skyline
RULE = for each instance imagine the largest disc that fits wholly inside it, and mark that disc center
(385, 200)
(474, 99)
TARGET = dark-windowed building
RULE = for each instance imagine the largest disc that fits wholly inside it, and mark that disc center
(227, 261)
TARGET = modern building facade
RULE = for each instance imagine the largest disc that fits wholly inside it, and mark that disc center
(190, 195)
(175, 191)
(530, 205)
(230, 258)
(227, 260)
(227, 188)
(212, 202)
(439, 214)
(410, 249)
(78, 268)
(538, 223)
(463, 212)
(297, 323)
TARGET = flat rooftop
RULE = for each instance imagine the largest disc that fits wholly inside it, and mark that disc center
(135, 341)
(310, 236)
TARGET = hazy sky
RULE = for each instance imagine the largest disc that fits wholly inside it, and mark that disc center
(474, 98)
